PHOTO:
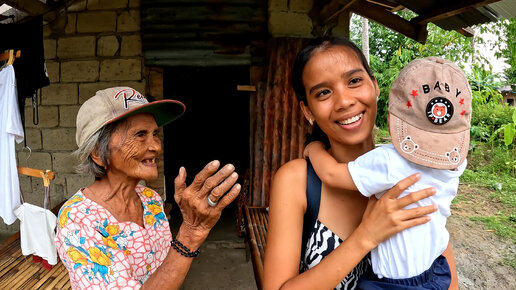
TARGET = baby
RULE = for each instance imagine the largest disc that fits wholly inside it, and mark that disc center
(429, 122)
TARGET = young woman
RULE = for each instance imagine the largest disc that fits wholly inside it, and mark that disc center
(319, 237)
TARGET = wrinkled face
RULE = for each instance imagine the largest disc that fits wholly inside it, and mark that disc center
(341, 95)
(134, 149)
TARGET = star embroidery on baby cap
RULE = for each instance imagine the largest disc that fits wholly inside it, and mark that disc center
(463, 112)
(461, 101)
(414, 93)
(409, 104)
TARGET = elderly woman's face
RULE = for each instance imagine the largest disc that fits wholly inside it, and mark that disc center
(134, 151)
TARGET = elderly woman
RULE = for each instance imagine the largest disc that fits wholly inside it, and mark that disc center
(114, 233)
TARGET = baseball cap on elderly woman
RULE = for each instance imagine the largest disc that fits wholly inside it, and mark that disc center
(113, 104)
(430, 113)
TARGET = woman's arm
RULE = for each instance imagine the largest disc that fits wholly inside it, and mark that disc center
(448, 254)
(198, 219)
(382, 219)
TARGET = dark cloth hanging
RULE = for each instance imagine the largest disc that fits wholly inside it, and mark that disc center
(30, 68)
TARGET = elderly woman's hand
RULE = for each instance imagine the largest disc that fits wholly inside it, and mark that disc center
(198, 215)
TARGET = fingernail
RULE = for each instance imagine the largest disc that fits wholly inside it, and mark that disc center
(181, 170)
(234, 175)
(214, 163)
(230, 166)
(238, 186)
(418, 175)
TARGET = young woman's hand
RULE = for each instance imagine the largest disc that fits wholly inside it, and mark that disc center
(385, 217)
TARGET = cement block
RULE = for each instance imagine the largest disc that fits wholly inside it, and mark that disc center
(278, 5)
(59, 94)
(303, 6)
(48, 117)
(64, 162)
(8, 230)
(120, 69)
(131, 45)
(107, 45)
(52, 70)
(97, 21)
(59, 139)
(290, 24)
(71, 23)
(134, 3)
(68, 115)
(80, 71)
(128, 21)
(74, 182)
(107, 5)
(76, 47)
(50, 47)
(37, 196)
(155, 79)
(25, 183)
(77, 6)
(33, 137)
(39, 160)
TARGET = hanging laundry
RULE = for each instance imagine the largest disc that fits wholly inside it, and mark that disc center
(37, 235)
(30, 68)
(11, 130)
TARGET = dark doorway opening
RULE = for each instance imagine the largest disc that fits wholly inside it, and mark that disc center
(215, 126)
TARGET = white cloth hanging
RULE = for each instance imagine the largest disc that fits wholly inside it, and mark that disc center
(11, 130)
(37, 231)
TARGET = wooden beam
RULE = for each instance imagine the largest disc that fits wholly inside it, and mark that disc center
(33, 8)
(466, 31)
(390, 20)
(329, 12)
(385, 3)
(455, 7)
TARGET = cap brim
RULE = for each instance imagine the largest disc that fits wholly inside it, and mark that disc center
(164, 111)
(434, 150)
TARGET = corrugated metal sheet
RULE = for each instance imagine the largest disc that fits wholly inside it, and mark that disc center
(470, 17)
(203, 32)
(505, 9)
(280, 127)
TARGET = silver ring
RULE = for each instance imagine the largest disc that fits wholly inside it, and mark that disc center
(211, 203)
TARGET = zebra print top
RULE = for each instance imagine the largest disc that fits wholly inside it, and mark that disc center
(321, 242)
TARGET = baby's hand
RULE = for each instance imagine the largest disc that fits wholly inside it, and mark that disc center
(310, 146)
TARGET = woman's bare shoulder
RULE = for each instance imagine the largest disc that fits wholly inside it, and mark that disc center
(294, 169)
(290, 180)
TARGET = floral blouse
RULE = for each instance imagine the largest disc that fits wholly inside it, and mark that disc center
(102, 253)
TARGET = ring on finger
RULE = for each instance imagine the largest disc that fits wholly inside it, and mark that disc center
(210, 202)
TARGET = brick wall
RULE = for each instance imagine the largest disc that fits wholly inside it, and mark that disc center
(99, 47)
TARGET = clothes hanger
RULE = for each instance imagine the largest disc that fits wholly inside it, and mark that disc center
(46, 175)
(10, 56)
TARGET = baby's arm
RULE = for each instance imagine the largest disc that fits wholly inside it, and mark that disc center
(327, 168)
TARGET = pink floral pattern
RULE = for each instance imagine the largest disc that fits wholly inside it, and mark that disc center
(102, 253)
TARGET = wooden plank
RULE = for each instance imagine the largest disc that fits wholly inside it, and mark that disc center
(391, 21)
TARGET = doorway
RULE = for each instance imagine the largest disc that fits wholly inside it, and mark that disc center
(215, 126)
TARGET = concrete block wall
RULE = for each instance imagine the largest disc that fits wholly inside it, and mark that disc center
(99, 47)
(290, 18)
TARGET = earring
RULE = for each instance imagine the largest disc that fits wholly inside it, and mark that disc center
(310, 121)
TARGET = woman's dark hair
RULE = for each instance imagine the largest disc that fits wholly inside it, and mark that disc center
(319, 44)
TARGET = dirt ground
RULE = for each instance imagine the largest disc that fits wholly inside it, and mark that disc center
(479, 253)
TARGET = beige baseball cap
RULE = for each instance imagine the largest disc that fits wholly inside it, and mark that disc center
(112, 104)
(430, 113)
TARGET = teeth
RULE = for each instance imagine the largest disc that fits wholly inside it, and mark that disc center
(352, 119)
(151, 161)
